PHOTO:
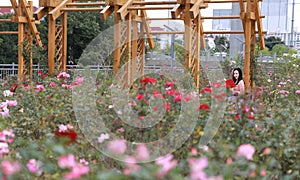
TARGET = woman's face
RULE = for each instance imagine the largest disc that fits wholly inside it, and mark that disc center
(236, 74)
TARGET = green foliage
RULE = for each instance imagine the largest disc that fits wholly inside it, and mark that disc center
(222, 44)
(265, 51)
(82, 28)
(271, 41)
(279, 49)
(292, 51)
(8, 43)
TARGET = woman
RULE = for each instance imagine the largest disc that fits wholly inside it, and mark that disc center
(237, 77)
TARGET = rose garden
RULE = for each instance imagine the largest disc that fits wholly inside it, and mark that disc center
(179, 121)
(258, 135)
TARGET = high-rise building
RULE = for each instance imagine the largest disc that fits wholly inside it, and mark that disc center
(276, 14)
(221, 24)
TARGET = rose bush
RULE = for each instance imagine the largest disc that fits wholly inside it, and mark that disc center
(259, 136)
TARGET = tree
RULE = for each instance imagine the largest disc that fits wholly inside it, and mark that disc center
(8, 43)
(292, 51)
(279, 49)
(83, 27)
(265, 51)
(271, 41)
(222, 44)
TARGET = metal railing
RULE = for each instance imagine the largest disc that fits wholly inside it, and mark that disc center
(10, 70)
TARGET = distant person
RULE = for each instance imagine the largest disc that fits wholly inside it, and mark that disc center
(237, 77)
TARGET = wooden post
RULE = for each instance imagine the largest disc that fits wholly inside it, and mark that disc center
(247, 46)
(128, 47)
(117, 36)
(142, 48)
(64, 23)
(21, 29)
(134, 50)
(187, 36)
(253, 44)
(51, 44)
(30, 43)
(196, 72)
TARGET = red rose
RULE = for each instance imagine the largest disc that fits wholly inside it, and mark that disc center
(230, 83)
(14, 87)
(203, 106)
(71, 134)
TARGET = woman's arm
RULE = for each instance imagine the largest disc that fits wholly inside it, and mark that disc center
(241, 86)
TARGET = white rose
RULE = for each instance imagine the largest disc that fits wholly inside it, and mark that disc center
(7, 93)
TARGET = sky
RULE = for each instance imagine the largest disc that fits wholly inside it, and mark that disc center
(206, 12)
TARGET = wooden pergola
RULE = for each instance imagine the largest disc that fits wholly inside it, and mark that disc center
(132, 26)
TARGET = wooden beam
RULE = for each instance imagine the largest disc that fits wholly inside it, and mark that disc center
(6, 20)
(202, 38)
(162, 19)
(40, 13)
(29, 42)
(247, 53)
(14, 6)
(106, 12)
(259, 25)
(129, 48)
(117, 39)
(9, 32)
(147, 29)
(242, 13)
(143, 3)
(57, 11)
(252, 46)
(205, 32)
(134, 52)
(251, 15)
(223, 1)
(195, 10)
(176, 11)
(123, 11)
(187, 37)
(64, 22)
(81, 9)
(21, 30)
(151, 8)
(87, 4)
(31, 24)
(199, 40)
(51, 44)
(21, 19)
(224, 17)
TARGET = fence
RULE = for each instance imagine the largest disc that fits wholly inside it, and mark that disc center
(10, 70)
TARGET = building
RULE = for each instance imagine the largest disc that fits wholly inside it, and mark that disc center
(276, 15)
(221, 24)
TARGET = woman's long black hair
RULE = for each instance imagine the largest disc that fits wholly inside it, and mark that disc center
(240, 75)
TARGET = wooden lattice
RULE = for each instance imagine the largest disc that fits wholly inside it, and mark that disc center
(59, 45)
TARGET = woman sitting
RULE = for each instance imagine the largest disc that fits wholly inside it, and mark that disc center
(237, 77)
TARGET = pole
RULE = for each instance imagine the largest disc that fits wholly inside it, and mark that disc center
(172, 46)
(292, 28)
(172, 51)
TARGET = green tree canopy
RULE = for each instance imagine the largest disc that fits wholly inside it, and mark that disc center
(279, 49)
(222, 44)
(82, 28)
(271, 41)
(8, 43)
